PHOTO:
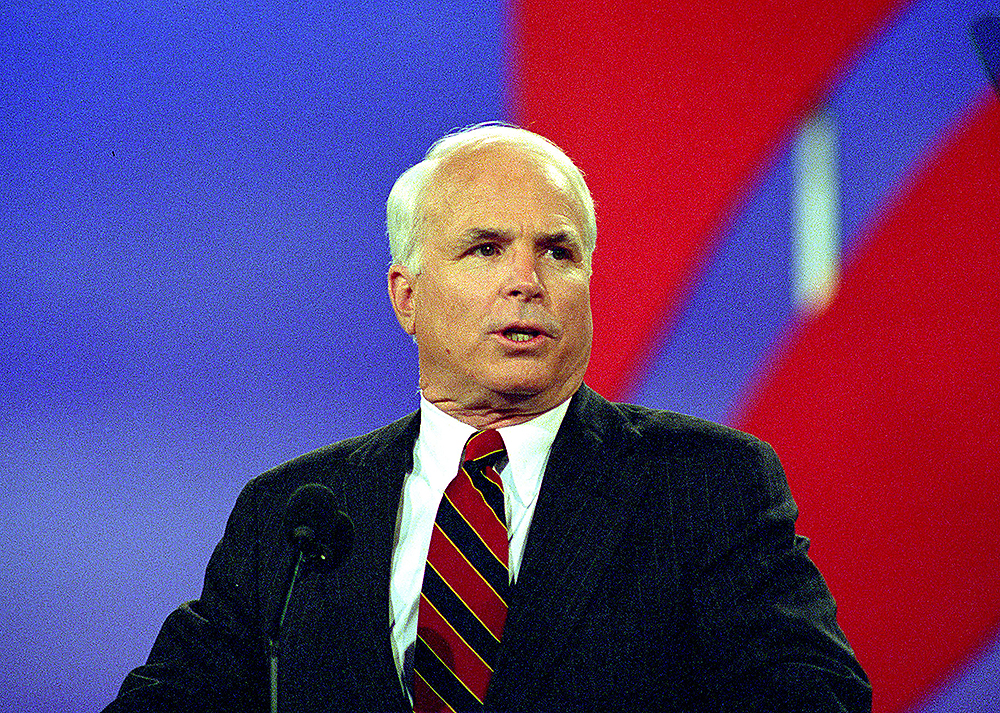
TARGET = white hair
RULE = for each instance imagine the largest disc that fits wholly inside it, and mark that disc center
(404, 208)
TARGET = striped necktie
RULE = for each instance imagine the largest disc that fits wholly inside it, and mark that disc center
(463, 604)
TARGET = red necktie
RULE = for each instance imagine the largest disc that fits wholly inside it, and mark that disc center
(463, 604)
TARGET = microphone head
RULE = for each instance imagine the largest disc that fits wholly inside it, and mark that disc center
(321, 532)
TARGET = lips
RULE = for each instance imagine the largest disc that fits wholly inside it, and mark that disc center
(517, 334)
(524, 333)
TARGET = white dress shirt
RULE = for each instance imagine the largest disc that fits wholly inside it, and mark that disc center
(436, 456)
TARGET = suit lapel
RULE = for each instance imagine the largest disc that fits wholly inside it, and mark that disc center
(373, 504)
(581, 516)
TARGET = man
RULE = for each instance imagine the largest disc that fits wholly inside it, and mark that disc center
(649, 559)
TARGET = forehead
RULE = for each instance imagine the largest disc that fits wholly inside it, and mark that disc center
(501, 183)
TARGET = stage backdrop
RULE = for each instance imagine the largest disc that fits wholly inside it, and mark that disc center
(798, 207)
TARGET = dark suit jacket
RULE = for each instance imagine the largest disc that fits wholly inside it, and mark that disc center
(661, 572)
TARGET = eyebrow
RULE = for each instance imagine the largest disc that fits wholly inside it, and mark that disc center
(475, 235)
(561, 237)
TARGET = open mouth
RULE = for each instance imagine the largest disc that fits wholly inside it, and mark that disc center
(520, 334)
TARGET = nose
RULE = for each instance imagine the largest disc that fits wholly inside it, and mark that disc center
(522, 280)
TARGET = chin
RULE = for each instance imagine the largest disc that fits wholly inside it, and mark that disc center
(525, 380)
(516, 388)
(525, 387)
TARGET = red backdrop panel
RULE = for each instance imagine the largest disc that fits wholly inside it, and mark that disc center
(884, 411)
(670, 107)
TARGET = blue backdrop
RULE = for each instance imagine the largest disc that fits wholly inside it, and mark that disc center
(194, 281)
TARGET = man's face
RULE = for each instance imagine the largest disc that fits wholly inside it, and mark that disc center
(501, 308)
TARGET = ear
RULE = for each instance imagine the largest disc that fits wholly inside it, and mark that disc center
(402, 287)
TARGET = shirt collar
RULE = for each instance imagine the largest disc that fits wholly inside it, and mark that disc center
(528, 444)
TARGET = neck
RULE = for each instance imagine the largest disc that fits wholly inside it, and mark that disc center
(494, 413)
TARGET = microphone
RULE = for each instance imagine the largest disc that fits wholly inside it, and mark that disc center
(322, 536)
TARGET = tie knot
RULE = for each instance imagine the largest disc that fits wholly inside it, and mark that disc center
(484, 448)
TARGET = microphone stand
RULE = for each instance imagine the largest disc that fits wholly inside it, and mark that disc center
(274, 642)
(314, 525)
(305, 539)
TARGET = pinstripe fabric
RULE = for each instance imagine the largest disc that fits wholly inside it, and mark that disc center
(463, 604)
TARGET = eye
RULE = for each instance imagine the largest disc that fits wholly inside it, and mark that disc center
(561, 253)
(486, 249)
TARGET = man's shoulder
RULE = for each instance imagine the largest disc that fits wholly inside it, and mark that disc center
(682, 453)
(660, 428)
(392, 441)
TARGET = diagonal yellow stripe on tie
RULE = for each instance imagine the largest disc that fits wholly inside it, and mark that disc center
(452, 627)
(434, 690)
(474, 568)
(457, 677)
(462, 515)
(464, 603)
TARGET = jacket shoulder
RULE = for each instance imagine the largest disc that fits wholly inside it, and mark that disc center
(682, 428)
(329, 464)
(662, 429)
(685, 451)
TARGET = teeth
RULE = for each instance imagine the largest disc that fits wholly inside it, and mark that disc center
(520, 336)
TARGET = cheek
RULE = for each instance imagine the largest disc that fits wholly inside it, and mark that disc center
(576, 306)
(448, 313)
(463, 299)
(579, 323)
(455, 314)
